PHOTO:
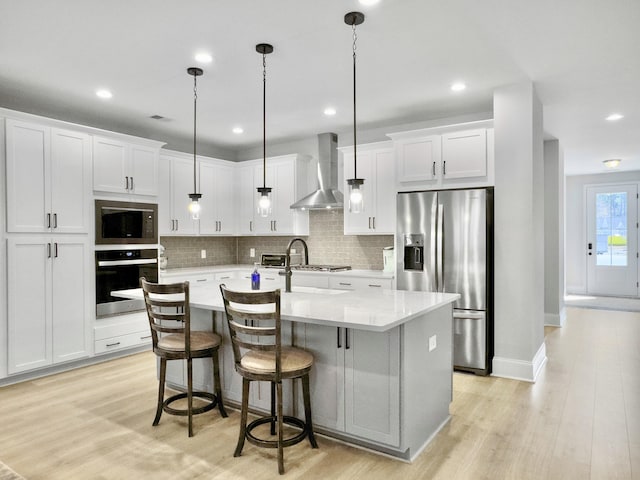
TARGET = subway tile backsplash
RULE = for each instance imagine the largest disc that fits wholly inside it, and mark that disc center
(327, 245)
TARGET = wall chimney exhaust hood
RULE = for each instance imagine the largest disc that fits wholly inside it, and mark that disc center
(327, 195)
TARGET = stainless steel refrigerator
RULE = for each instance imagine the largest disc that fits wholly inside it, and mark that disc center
(444, 243)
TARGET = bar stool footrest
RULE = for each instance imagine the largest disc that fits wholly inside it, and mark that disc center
(286, 442)
(213, 401)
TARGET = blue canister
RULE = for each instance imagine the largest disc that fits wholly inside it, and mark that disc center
(255, 278)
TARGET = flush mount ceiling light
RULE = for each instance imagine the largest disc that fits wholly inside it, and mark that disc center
(194, 206)
(612, 162)
(237, 130)
(264, 201)
(369, 2)
(104, 93)
(614, 116)
(458, 86)
(329, 111)
(203, 57)
(356, 201)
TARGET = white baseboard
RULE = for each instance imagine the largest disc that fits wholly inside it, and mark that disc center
(555, 319)
(520, 369)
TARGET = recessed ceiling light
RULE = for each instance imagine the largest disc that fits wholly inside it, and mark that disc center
(614, 116)
(203, 57)
(458, 87)
(612, 162)
(237, 130)
(368, 2)
(103, 93)
(329, 111)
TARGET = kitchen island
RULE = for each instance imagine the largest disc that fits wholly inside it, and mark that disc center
(383, 368)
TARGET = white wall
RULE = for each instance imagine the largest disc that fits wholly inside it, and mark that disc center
(576, 229)
(519, 233)
(3, 256)
(554, 192)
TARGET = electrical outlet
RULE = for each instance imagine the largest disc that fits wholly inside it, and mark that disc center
(432, 343)
(293, 251)
(252, 252)
(203, 254)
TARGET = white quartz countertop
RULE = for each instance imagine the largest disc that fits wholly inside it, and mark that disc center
(244, 268)
(378, 310)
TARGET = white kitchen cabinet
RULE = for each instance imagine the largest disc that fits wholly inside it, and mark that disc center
(121, 331)
(287, 176)
(444, 157)
(48, 179)
(124, 167)
(48, 301)
(176, 182)
(464, 154)
(217, 216)
(351, 367)
(359, 283)
(376, 167)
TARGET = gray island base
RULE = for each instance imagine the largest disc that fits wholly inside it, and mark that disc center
(382, 377)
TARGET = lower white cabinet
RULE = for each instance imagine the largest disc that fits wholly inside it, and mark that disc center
(48, 301)
(355, 386)
(121, 332)
(359, 283)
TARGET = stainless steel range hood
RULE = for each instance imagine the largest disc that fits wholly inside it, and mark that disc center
(327, 195)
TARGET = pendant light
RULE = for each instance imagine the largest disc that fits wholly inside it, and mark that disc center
(356, 200)
(264, 201)
(194, 206)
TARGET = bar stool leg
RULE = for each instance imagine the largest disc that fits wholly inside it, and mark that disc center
(273, 408)
(163, 372)
(243, 416)
(217, 385)
(190, 394)
(280, 432)
(307, 411)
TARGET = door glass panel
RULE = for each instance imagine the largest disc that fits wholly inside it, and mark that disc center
(611, 229)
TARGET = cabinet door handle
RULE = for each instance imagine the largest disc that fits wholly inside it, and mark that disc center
(347, 346)
(275, 225)
(177, 225)
(48, 250)
(126, 186)
(55, 220)
(433, 169)
(444, 168)
(55, 250)
(48, 220)
(131, 184)
(338, 337)
(251, 225)
(374, 222)
(113, 344)
(369, 223)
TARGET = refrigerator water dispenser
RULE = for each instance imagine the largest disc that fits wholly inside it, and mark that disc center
(414, 251)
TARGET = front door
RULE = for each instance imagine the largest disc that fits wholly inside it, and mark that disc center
(612, 240)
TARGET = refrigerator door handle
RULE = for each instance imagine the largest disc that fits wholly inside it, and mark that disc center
(440, 252)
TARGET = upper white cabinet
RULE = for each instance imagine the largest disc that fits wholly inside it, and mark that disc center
(176, 182)
(48, 179)
(124, 167)
(444, 157)
(49, 314)
(287, 176)
(217, 180)
(376, 167)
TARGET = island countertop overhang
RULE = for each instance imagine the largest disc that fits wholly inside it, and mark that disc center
(377, 311)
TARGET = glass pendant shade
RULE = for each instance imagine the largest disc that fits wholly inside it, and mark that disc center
(264, 201)
(356, 198)
(194, 206)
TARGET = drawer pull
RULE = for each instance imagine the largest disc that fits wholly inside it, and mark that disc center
(227, 277)
(374, 285)
(345, 283)
(201, 280)
(113, 344)
(145, 338)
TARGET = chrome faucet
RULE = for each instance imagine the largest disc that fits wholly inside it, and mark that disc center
(287, 263)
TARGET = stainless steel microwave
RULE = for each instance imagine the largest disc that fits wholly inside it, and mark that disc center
(119, 223)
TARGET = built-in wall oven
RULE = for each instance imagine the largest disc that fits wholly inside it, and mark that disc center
(126, 249)
(121, 270)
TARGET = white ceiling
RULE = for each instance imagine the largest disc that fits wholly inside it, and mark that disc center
(582, 56)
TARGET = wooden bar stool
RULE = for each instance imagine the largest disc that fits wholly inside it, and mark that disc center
(170, 321)
(254, 326)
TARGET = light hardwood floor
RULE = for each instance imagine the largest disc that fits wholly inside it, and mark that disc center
(580, 420)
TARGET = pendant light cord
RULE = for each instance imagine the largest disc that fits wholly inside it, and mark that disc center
(355, 143)
(264, 120)
(195, 102)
